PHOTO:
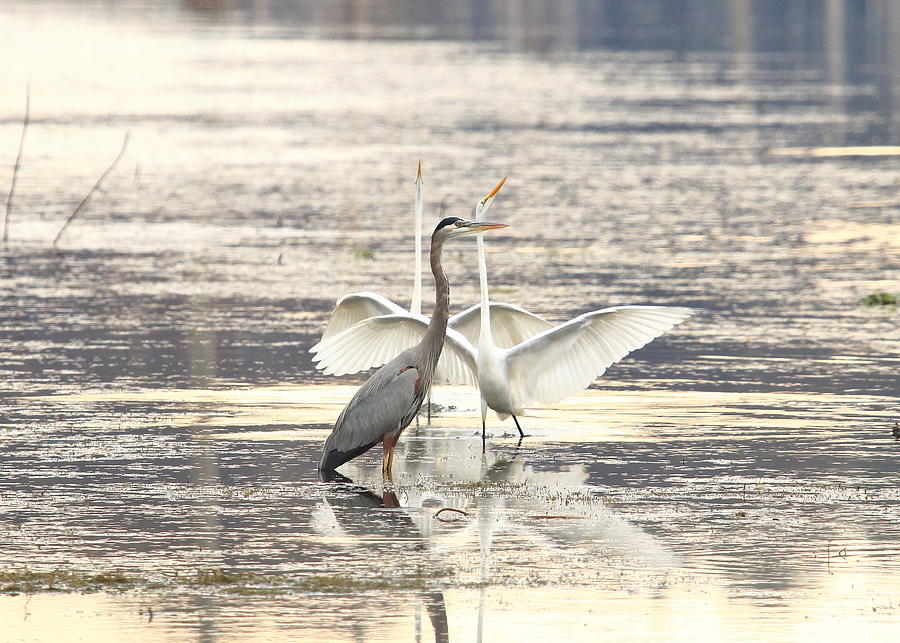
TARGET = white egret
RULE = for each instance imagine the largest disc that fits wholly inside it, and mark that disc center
(543, 369)
(510, 324)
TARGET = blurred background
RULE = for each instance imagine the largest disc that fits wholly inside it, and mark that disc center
(160, 416)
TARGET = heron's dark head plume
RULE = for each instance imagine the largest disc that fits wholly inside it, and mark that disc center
(447, 221)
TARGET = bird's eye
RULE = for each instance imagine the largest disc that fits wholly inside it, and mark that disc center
(458, 223)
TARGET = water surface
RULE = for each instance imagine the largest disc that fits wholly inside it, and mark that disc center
(735, 480)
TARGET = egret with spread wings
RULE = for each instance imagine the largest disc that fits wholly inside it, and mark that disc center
(391, 398)
(542, 369)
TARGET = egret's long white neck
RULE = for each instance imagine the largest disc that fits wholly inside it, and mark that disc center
(415, 305)
(485, 337)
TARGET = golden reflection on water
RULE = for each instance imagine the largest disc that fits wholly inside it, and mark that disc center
(594, 414)
(608, 577)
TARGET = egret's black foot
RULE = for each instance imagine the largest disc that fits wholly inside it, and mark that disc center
(521, 433)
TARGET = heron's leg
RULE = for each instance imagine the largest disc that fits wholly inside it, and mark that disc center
(387, 464)
(483, 416)
(516, 420)
(386, 472)
(428, 408)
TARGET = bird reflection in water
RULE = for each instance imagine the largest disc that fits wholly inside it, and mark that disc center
(455, 475)
(394, 524)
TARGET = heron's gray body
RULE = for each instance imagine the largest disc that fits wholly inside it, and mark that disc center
(391, 398)
(386, 403)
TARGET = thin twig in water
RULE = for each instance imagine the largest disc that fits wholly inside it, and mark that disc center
(88, 196)
(556, 517)
(15, 174)
(440, 511)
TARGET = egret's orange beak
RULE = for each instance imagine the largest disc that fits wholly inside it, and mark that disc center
(493, 192)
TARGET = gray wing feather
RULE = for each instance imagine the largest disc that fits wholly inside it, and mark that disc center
(386, 402)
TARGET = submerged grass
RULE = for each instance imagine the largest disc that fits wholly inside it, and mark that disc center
(26, 581)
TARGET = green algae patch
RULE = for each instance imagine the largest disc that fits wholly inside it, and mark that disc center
(253, 585)
(215, 577)
(26, 581)
(879, 299)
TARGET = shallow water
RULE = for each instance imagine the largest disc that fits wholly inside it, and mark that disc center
(734, 480)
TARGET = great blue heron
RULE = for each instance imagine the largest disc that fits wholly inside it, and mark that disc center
(391, 398)
(511, 324)
(543, 369)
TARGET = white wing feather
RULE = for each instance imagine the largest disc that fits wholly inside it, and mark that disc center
(565, 359)
(355, 307)
(377, 340)
(510, 324)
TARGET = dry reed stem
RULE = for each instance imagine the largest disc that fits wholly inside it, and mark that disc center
(88, 196)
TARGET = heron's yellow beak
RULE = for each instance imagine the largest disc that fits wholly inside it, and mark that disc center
(481, 226)
(419, 173)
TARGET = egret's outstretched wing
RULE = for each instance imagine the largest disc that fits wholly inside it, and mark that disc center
(567, 358)
(376, 340)
(510, 324)
(356, 307)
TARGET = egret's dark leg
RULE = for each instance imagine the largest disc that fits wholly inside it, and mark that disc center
(429, 406)
(516, 420)
(483, 416)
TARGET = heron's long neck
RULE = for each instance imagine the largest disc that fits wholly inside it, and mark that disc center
(415, 305)
(485, 300)
(433, 341)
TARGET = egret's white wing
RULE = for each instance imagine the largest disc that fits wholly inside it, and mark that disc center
(567, 358)
(376, 340)
(510, 324)
(355, 307)
(458, 361)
